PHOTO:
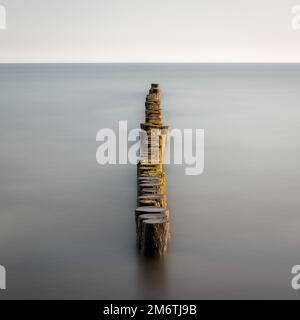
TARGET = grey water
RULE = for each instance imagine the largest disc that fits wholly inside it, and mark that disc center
(66, 223)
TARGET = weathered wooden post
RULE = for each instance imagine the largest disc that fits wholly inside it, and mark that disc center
(152, 216)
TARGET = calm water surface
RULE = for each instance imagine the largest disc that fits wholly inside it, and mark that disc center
(66, 223)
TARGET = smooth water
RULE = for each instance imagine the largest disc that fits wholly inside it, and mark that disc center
(66, 223)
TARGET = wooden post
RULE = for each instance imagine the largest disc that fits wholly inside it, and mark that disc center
(150, 210)
(155, 233)
(152, 216)
(139, 225)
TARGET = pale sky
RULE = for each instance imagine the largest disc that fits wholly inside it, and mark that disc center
(149, 31)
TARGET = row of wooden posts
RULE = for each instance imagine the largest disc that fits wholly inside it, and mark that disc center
(152, 215)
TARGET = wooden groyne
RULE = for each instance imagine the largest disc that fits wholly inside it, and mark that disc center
(152, 215)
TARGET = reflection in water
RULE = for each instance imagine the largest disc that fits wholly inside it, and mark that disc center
(152, 276)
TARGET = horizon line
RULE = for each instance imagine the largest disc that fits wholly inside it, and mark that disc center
(179, 62)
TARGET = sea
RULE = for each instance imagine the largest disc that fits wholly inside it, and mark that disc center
(67, 227)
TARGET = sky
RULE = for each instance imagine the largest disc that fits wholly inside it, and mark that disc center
(149, 31)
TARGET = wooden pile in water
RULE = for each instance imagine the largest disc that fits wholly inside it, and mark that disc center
(152, 215)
